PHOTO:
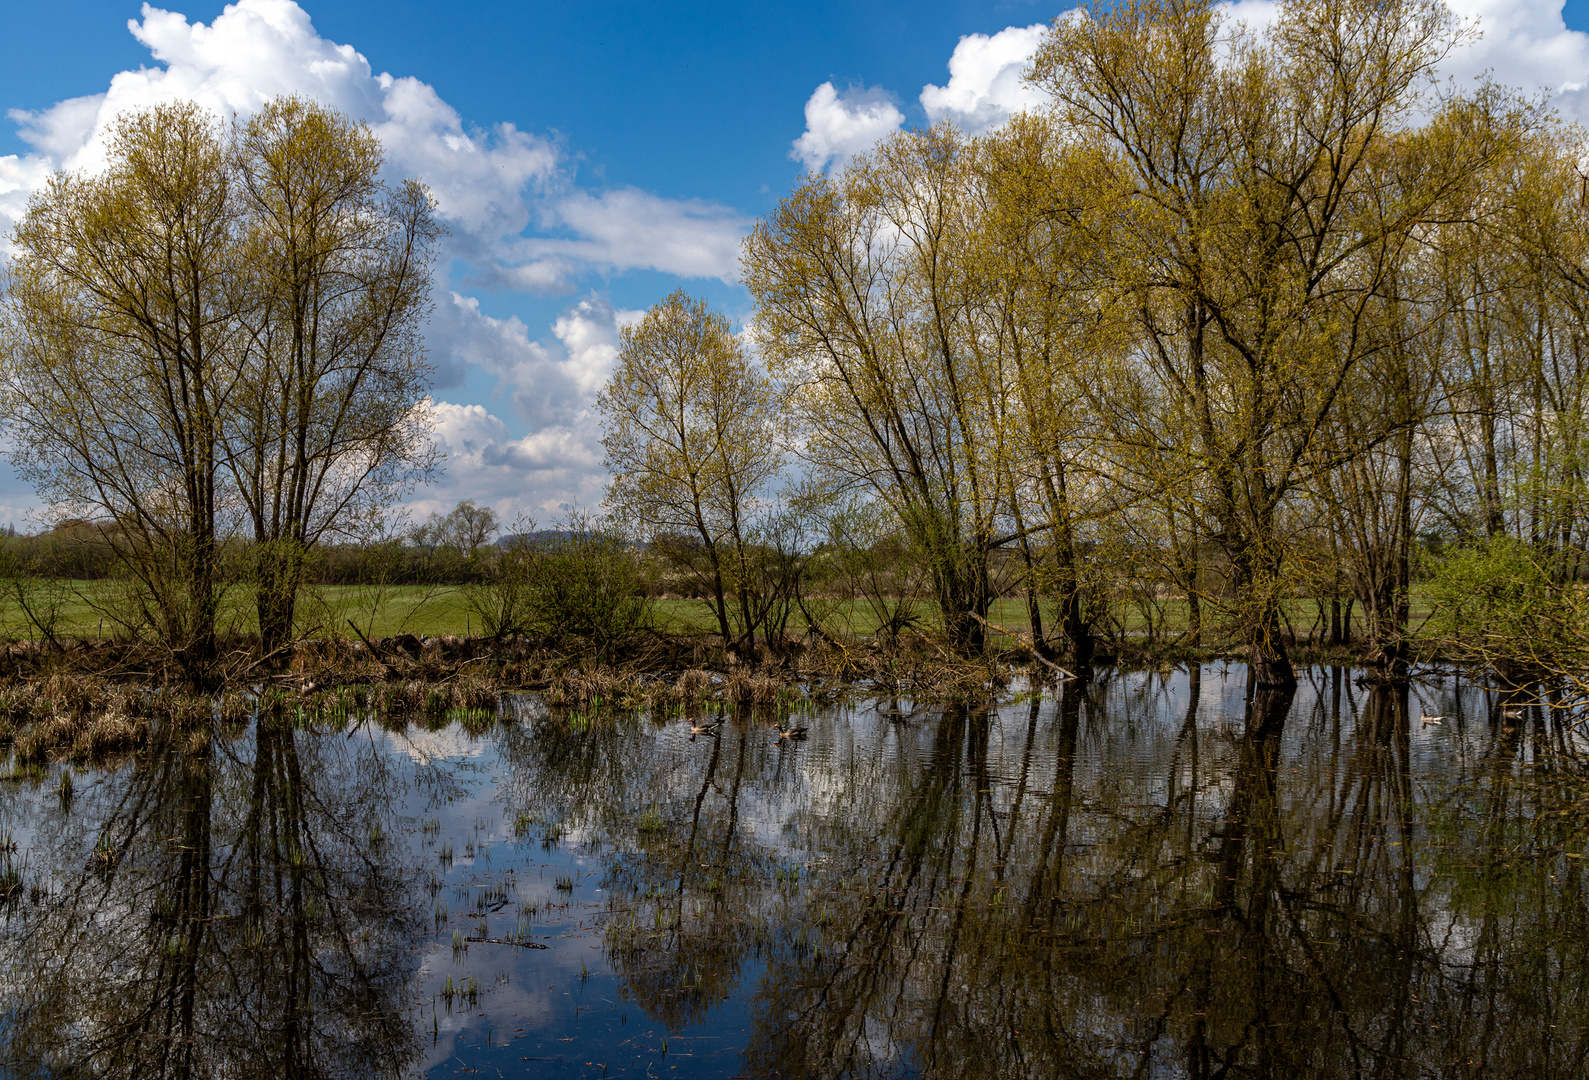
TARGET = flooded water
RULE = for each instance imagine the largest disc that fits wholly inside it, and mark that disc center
(1153, 877)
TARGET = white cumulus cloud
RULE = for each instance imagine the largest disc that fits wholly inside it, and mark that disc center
(538, 475)
(1526, 45)
(492, 184)
(985, 74)
(589, 333)
(548, 383)
(839, 126)
(551, 385)
(628, 227)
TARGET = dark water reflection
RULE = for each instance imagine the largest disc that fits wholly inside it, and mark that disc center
(1158, 877)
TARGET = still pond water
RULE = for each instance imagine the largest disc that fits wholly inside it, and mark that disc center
(1157, 876)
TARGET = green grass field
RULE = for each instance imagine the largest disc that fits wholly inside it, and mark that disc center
(94, 608)
(89, 609)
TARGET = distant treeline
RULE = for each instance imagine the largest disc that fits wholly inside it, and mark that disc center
(82, 551)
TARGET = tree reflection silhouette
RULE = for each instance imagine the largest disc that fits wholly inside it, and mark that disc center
(225, 909)
(1120, 892)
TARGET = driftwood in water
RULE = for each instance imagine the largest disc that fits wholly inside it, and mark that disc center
(506, 941)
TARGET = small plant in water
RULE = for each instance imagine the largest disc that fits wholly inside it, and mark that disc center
(565, 883)
(10, 883)
(651, 821)
(474, 721)
(104, 856)
(444, 856)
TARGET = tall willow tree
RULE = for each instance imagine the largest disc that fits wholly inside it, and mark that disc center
(864, 287)
(691, 429)
(1273, 183)
(1038, 313)
(328, 424)
(222, 326)
(120, 328)
(1421, 405)
(1516, 378)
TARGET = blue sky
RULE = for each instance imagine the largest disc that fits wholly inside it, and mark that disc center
(589, 157)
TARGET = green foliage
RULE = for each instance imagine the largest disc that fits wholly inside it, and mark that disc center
(582, 582)
(587, 584)
(1495, 603)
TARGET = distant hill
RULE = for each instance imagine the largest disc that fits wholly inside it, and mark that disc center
(538, 538)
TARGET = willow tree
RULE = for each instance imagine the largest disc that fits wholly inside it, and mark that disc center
(1273, 181)
(865, 285)
(690, 425)
(221, 326)
(1552, 233)
(328, 424)
(1038, 311)
(1456, 323)
(1517, 376)
(119, 326)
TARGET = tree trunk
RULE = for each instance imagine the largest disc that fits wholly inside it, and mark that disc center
(1034, 610)
(1072, 612)
(1194, 601)
(1256, 572)
(278, 578)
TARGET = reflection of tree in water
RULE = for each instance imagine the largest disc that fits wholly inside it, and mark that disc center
(683, 911)
(1286, 897)
(226, 910)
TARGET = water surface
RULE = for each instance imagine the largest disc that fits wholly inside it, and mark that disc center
(1156, 876)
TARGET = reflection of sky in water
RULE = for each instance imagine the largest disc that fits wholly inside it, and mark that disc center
(721, 886)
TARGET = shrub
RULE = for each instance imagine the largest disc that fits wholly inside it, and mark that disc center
(1495, 603)
(581, 582)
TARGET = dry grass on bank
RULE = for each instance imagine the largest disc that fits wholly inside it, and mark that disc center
(92, 699)
(89, 704)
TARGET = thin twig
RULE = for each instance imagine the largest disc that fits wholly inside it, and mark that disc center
(391, 672)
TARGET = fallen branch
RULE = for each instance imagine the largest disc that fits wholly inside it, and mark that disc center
(1031, 646)
(506, 941)
(391, 673)
(254, 665)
